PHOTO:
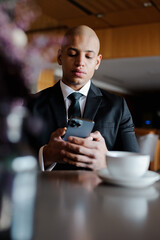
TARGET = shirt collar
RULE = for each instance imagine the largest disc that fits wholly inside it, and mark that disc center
(66, 90)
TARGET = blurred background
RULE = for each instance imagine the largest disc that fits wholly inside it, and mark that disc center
(129, 33)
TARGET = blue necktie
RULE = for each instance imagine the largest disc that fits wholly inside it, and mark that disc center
(74, 109)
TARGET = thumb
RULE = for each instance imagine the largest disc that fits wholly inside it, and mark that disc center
(59, 132)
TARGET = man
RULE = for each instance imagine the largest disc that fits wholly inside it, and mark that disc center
(113, 130)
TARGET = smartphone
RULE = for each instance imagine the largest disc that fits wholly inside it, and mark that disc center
(78, 127)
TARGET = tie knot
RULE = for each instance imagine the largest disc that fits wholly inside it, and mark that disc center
(75, 96)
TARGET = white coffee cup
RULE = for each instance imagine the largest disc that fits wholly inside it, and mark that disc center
(123, 164)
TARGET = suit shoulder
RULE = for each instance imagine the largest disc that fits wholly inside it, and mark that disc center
(114, 101)
(42, 93)
(111, 96)
(40, 97)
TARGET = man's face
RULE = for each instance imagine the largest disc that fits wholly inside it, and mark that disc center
(79, 59)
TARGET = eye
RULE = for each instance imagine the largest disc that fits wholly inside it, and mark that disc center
(72, 53)
(90, 55)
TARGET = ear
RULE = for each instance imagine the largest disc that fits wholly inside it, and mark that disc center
(59, 57)
(99, 57)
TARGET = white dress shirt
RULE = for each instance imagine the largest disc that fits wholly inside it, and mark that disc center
(66, 91)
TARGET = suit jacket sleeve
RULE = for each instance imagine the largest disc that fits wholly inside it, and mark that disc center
(114, 121)
(126, 139)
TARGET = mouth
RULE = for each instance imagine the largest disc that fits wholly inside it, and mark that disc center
(78, 73)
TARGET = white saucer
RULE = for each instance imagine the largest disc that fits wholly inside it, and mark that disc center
(147, 179)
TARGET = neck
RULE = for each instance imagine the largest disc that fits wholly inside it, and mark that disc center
(75, 87)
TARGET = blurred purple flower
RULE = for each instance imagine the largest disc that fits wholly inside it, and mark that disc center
(12, 80)
(15, 78)
(26, 12)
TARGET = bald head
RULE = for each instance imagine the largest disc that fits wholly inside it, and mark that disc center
(81, 30)
(79, 56)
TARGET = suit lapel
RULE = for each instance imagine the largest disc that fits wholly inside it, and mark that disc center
(93, 102)
(56, 100)
(58, 106)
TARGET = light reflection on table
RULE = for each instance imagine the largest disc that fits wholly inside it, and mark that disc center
(76, 205)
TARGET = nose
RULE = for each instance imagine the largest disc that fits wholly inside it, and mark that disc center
(80, 60)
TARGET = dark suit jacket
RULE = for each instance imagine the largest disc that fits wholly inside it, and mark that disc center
(110, 113)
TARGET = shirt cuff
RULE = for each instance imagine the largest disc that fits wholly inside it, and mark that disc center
(41, 161)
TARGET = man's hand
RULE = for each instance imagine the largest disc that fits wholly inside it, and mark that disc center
(86, 152)
(52, 151)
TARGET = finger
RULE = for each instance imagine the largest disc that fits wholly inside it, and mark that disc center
(90, 138)
(82, 142)
(96, 136)
(59, 132)
(78, 164)
(77, 157)
(81, 150)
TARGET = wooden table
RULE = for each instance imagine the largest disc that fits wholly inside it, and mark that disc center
(76, 205)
